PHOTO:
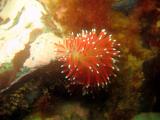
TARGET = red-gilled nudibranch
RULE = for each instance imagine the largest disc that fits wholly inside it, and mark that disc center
(89, 59)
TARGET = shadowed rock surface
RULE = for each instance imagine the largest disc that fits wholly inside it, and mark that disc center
(150, 91)
(18, 99)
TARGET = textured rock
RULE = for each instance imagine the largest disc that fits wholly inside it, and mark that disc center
(151, 87)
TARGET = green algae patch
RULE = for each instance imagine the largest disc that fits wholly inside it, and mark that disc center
(6, 67)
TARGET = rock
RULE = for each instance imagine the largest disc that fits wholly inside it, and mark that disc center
(151, 87)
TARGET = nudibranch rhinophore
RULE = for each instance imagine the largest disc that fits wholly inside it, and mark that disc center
(88, 59)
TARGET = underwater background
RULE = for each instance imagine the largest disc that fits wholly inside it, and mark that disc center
(32, 86)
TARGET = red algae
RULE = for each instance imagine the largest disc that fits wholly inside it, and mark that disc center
(76, 15)
(147, 12)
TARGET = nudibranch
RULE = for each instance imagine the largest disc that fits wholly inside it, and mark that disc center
(88, 59)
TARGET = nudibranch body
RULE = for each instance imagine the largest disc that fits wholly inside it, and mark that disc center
(89, 59)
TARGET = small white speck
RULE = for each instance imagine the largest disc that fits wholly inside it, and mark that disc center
(90, 67)
(101, 55)
(72, 33)
(114, 53)
(114, 61)
(77, 35)
(82, 49)
(107, 52)
(114, 75)
(105, 49)
(100, 37)
(117, 69)
(87, 86)
(110, 37)
(93, 30)
(106, 83)
(69, 66)
(119, 44)
(62, 66)
(103, 30)
(97, 72)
